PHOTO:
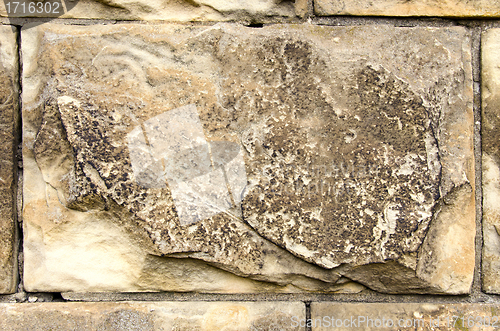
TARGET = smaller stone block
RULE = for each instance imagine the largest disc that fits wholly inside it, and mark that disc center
(177, 11)
(453, 8)
(301, 7)
(152, 316)
(9, 108)
(402, 316)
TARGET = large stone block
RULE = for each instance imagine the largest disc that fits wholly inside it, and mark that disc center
(203, 316)
(491, 160)
(231, 159)
(450, 8)
(185, 10)
(402, 316)
(9, 108)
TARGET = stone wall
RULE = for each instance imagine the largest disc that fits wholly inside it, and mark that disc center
(239, 165)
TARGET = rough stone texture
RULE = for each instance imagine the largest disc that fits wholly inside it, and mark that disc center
(450, 8)
(403, 316)
(9, 109)
(273, 159)
(169, 10)
(491, 160)
(203, 316)
(302, 7)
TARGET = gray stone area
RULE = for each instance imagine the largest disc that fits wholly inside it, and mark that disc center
(227, 159)
(402, 316)
(436, 8)
(213, 316)
(491, 161)
(9, 108)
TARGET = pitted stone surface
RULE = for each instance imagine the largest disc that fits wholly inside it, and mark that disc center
(288, 156)
(491, 161)
(142, 316)
(180, 11)
(450, 8)
(8, 164)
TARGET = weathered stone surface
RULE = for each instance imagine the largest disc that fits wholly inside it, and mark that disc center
(185, 10)
(491, 161)
(302, 7)
(9, 109)
(403, 316)
(206, 316)
(290, 156)
(451, 8)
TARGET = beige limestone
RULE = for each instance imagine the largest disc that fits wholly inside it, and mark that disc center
(276, 159)
(8, 163)
(169, 10)
(142, 316)
(447, 8)
(302, 7)
(403, 316)
(491, 162)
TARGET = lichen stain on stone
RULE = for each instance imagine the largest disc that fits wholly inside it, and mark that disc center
(8, 108)
(302, 134)
(491, 142)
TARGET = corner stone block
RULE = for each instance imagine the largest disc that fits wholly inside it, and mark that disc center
(403, 316)
(491, 160)
(9, 109)
(204, 316)
(226, 159)
(446, 8)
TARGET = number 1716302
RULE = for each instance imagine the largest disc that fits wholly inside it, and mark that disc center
(33, 8)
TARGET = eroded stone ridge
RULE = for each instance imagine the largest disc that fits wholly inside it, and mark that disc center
(8, 164)
(453, 8)
(288, 156)
(491, 161)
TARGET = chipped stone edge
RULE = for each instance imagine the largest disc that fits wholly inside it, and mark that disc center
(490, 168)
(453, 271)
